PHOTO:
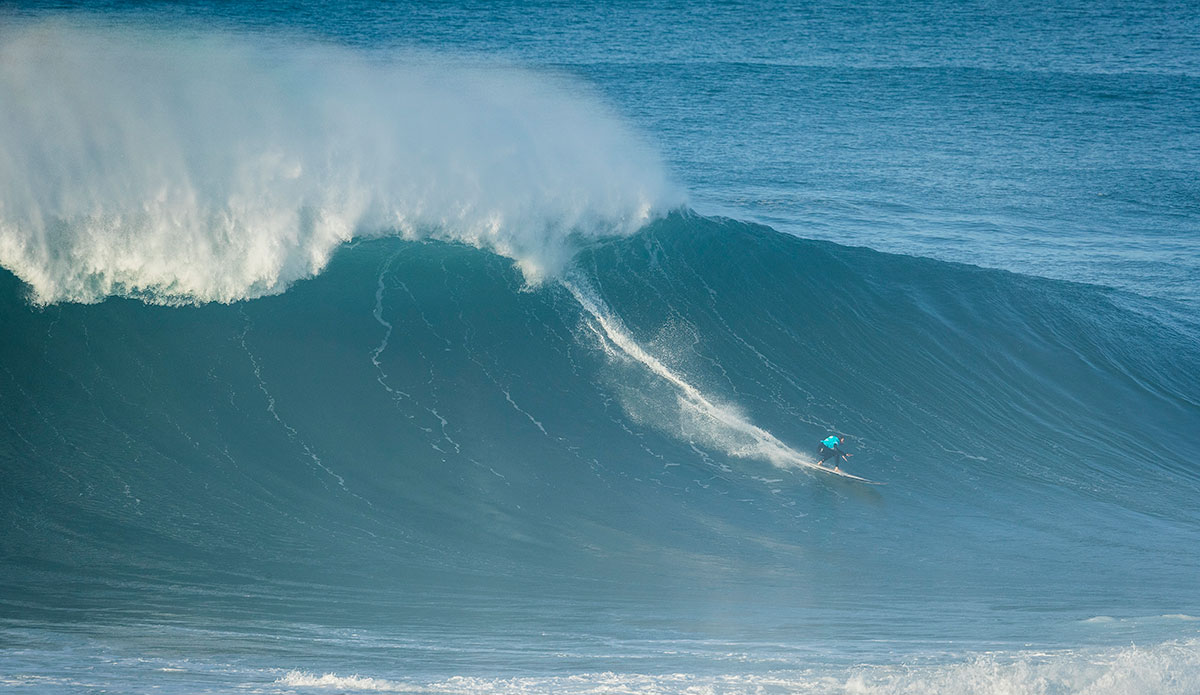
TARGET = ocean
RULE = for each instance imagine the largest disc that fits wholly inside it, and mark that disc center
(486, 347)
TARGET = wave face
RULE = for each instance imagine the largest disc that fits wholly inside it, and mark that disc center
(193, 167)
(417, 420)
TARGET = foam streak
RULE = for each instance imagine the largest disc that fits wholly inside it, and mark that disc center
(715, 424)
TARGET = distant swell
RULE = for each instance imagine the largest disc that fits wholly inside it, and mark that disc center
(231, 166)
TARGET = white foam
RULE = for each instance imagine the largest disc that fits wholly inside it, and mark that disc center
(1172, 668)
(192, 166)
(696, 416)
(1105, 619)
(355, 683)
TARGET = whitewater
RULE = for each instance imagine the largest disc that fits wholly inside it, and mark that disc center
(451, 349)
(225, 171)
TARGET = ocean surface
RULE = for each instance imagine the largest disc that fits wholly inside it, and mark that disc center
(484, 347)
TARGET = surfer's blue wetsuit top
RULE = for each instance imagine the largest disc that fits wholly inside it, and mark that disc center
(830, 442)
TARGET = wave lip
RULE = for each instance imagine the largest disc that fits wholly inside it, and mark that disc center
(216, 167)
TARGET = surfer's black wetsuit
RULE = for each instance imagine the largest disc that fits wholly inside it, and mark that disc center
(824, 453)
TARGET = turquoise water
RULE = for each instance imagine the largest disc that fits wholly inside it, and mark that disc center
(485, 348)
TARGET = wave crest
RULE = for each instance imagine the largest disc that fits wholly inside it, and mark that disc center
(214, 167)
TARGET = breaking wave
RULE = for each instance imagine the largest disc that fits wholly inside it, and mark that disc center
(195, 167)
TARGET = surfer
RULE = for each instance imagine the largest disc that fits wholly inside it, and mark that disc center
(828, 449)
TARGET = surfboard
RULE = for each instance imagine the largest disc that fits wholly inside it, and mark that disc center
(851, 476)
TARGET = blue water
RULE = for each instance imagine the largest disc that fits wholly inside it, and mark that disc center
(484, 348)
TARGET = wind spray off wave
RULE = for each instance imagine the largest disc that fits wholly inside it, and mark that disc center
(693, 416)
(209, 167)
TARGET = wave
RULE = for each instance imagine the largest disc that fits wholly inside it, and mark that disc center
(419, 409)
(195, 167)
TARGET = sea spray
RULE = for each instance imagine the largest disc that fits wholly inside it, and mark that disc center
(694, 415)
(197, 167)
